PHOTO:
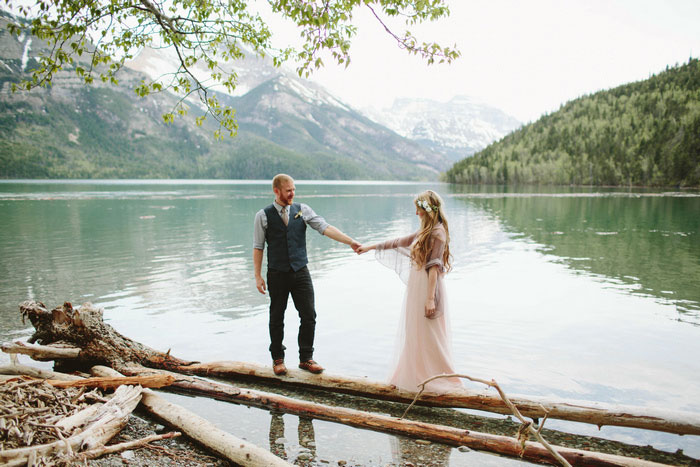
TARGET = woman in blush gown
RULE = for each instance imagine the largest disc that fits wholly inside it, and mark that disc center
(423, 346)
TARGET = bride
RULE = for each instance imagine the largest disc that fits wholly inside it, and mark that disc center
(421, 260)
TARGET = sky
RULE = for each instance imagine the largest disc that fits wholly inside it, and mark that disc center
(525, 57)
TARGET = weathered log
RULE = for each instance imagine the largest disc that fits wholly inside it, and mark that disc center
(579, 411)
(99, 343)
(104, 424)
(504, 445)
(137, 443)
(36, 372)
(104, 383)
(41, 352)
(225, 444)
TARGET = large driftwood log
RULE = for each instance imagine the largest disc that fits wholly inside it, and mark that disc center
(683, 423)
(41, 352)
(204, 432)
(36, 372)
(99, 343)
(504, 445)
(102, 425)
(104, 383)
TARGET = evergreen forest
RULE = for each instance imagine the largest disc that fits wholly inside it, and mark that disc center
(645, 133)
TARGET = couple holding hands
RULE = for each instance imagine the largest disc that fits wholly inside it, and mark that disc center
(421, 259)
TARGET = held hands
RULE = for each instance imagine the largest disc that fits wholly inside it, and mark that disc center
(359, 249)
(429, 307)
(364, 249)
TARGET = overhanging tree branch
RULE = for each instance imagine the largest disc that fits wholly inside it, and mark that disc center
(210, 32)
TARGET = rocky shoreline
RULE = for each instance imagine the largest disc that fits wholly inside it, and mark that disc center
(175, 452)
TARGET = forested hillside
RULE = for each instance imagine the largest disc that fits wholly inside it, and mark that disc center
(70, 130)
(640, 134)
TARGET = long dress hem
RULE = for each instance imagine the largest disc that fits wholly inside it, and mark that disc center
(423, 345)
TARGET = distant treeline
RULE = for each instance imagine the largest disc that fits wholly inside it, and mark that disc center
(640, 134)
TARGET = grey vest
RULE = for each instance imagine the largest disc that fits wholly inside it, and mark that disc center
(286, 244)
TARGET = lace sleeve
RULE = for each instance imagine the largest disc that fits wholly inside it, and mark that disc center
(436, 252)
(396, 254)
(401, 242)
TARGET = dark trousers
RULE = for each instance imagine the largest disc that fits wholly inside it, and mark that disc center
(280, 285)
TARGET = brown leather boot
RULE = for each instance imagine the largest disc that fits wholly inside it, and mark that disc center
(279, 367)
(311, 366)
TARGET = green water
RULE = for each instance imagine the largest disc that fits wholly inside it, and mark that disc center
(583, 294)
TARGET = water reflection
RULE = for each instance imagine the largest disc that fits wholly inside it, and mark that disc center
(305, 452)
(535, 293)
(640, 243)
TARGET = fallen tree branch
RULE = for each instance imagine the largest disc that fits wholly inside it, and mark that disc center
(146, 381)
(34, 372)
(111, 449)
(526, 424)
(41, 352)
(595, 413)
(225, 444)
(101, 344)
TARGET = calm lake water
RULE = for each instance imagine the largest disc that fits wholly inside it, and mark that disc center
(581, 294)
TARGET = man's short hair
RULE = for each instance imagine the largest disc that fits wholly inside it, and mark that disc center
(280, 179)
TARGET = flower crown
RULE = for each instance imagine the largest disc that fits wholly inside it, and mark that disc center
(426, 206)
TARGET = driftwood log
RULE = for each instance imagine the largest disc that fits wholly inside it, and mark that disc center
(224, 444)
(98, 343)
(69, 331)
(85, 329)
(204, 432)
(595, 413)
(104, 383)
(504, 445)
(101, 424)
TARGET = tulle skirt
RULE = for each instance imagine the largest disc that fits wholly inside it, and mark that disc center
(423, 345)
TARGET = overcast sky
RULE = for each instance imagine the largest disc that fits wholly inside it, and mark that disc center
(526, 57)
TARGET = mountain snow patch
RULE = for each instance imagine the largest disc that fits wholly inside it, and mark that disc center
(25, 54)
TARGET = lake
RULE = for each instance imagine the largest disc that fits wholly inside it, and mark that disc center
(587, 294)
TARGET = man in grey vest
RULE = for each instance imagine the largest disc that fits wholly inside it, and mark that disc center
(283, 226)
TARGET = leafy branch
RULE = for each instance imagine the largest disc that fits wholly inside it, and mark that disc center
(95, 38)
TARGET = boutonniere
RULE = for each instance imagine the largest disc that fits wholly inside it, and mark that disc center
(298, 214)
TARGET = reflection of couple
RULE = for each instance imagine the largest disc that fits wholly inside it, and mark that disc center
(421, 259)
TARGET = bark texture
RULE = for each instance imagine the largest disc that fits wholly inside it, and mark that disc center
(99, 343)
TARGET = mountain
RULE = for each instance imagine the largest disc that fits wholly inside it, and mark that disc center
(457, 128)
(286, 124)
(645, 133)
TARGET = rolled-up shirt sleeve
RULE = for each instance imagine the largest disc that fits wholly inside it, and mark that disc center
(313, 220)
(259, 227)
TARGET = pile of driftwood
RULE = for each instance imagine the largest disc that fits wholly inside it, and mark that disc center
(51, 422)
(79, 339)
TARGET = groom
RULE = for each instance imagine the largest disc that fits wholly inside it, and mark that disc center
(283, 226)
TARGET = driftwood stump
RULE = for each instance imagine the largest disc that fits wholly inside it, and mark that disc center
(99, 343)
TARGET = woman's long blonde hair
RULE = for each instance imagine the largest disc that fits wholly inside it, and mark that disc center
(434, 214)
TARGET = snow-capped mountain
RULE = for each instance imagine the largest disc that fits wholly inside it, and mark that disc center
(295, 113)
(457, 128)
(286, 124)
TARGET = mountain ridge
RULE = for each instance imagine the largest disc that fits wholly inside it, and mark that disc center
(70, 130)
(456, 128)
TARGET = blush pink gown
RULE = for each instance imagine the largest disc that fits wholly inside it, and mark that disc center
(423, 345)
